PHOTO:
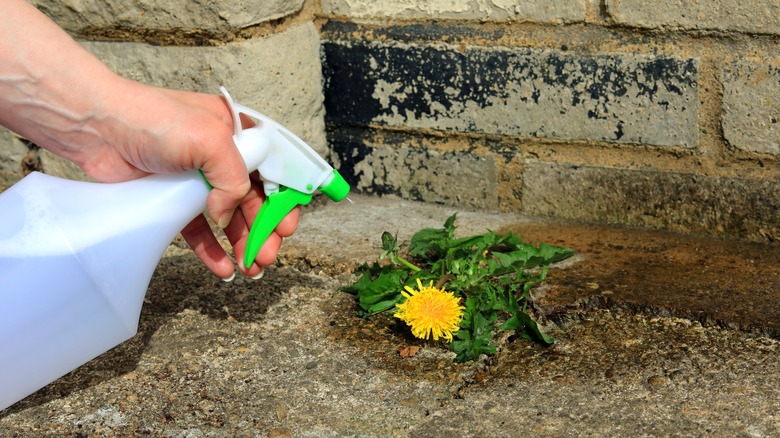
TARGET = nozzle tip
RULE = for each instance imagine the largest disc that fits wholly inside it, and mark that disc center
(337, 189)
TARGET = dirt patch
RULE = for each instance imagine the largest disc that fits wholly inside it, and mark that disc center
(731, 283)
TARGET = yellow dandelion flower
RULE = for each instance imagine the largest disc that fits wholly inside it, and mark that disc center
(430, 312)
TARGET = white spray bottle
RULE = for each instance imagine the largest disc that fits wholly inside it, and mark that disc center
(76, 258)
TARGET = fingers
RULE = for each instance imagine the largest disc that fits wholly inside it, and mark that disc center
(270, 249)
(224, 168)
(237, 233)
(289, 224)
(205, 245)
(238, 230)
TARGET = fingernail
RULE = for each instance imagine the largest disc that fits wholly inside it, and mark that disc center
(229, 279)
(259, 276)
(224, 220)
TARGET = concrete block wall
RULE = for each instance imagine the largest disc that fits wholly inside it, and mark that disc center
(265, 52)
(659, 114)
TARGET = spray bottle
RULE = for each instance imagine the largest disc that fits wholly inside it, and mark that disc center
(76, 258)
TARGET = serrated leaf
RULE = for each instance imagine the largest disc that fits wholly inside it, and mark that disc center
(428, 242)
(512, 323)
(433, 242)
(381, 306)
(425, 278)
(532, 331)
(553, 254)
(509, 259)
(369, 298)
(376, 285)
(480, 241)
(449, 224)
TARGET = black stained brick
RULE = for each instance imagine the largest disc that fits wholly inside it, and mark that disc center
(523, 92)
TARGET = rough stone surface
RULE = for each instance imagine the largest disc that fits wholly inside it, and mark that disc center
(524, 92)
(279, 76)
(717, 15)
(751, 110)
(286, 356)
(536, 10)
(13, 151)
(614, 374)
(672, 200)
(188, 15)
(452, 178)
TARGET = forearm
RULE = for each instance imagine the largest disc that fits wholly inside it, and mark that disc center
(51, 88)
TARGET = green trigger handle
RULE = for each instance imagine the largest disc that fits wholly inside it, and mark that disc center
(277, 205)
(274, 209)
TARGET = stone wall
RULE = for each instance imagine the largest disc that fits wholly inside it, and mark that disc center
(660, 114)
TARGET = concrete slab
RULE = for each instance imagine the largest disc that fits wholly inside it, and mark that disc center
(286, 356)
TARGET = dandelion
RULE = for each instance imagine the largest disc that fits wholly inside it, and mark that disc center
(430, 311)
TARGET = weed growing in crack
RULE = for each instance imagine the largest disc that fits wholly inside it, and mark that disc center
(488, 277)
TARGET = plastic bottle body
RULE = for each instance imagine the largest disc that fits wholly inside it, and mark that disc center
(76, 259)
(67, 326)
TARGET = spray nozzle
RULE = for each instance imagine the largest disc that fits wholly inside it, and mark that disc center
(290, 169)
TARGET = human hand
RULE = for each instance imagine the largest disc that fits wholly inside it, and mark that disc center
(181, 131)
(116, 129)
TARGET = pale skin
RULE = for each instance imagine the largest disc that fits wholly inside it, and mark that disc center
(59, 96)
